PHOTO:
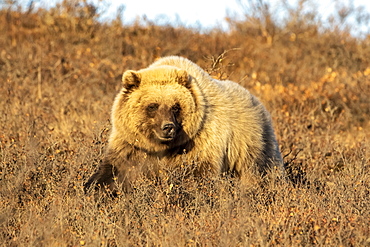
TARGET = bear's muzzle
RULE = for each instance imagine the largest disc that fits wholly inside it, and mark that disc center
(168, 131)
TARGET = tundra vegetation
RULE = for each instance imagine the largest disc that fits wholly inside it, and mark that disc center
(60, 69)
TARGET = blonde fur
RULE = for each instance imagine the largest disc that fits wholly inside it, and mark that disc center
(225, 128)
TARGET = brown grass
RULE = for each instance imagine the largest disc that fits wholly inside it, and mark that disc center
(60, 70)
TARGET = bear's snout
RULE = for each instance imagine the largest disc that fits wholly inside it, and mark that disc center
(168, 130)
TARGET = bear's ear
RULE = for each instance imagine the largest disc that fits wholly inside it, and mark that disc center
(131, 80)
(183, 78)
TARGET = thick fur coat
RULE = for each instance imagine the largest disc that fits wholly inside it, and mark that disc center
(174, 114)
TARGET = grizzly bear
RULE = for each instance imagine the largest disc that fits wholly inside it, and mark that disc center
(174, 114)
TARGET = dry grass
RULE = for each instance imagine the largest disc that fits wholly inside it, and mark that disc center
(60, 70)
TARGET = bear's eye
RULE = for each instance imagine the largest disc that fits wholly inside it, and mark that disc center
(152, 107)
(176, 108)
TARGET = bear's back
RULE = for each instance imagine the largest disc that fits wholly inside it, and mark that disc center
(202, 78)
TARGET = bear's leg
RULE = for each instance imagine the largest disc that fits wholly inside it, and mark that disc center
(103, 178)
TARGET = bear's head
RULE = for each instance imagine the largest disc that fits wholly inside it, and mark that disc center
(157, 109)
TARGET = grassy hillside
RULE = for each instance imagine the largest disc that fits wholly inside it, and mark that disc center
(59, 72)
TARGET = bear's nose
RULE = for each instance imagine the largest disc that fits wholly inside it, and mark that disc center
(168, 129)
